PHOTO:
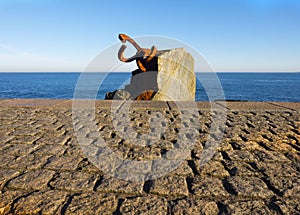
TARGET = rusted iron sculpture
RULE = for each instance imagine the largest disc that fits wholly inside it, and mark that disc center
(142, 56)
(143, 84)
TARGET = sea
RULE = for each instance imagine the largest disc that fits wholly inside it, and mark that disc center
(235, 86)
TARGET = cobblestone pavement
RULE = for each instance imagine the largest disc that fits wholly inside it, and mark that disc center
(256, 169)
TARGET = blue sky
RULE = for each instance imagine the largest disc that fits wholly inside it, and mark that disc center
(233, 35)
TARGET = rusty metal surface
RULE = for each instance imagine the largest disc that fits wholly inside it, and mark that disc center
(142, 56)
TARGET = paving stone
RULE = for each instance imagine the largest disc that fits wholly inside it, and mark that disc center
(6, 160)
(212, 169)
(288, 186)
(6, 175)
(7, 198)
(195, 206)
(247, 145)
(237, 168)
(42, 202)
(74, 181)
(17, 149)
(63, 163)
(27, 129)
(289, 206)
(255, 168)
(225, 146)
(217, 157)
(50, 150)
(74, 151)
(28, 162)
(277, 169)
(183, 170)
(145, 205)
(208, 187)
(249, 207)
(240, 155)
(87, 166)
(28, 139)
(92, 203)
(49, 139)
(280, 145)
(271, 156)
(114, 185)
(170, 185)
(33, 180)
(295, 158)
(249, 187)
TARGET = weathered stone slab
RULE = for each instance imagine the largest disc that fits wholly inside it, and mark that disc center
(248, 207)
(271, 156)
(289, 206)
(277, 169)
(74, 181)
(114, 185)
(43, 202)
(28, 162)
(170, 185)
(239, 155)
(33, 180)
(288, 186)
(92, 203)
(208, 187)
(212, 169)
(7, 174)
(238, 168)
(145, 205)
(7, 198)
(195, 206)
(62, 163)
(249, 187)
(176, 79)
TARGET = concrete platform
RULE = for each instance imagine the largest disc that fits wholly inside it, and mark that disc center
(255, 169)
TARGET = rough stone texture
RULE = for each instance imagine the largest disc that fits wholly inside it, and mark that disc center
(176, 79)
(145, 205)
(209, 187)
(44, 170)
(45, 202)
(74, 181)
(249, 187)
(249, 207)
(195, 206)
(175, 186)
(62, 163)
(114, 185)
(92, 203)
(289, 206)
(33, 180)
(7, 198)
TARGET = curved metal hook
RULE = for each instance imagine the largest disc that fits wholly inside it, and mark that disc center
(141, 52)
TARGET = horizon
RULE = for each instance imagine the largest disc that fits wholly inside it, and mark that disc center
(234, 36)
(281, 72)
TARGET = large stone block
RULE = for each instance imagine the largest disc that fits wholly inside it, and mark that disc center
(176, 80)
(170, 76)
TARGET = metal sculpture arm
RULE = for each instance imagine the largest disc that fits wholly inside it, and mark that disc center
(142, 55)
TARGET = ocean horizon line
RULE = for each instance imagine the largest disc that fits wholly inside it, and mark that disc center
(30, 72)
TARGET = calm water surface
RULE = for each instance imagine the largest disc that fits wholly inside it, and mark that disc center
(236, 86)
